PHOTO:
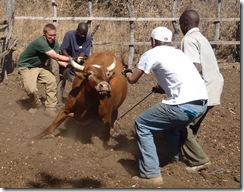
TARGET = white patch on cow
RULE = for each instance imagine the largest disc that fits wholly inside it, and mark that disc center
(96, 65)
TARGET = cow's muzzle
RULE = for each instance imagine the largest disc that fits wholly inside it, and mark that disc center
(103, 88)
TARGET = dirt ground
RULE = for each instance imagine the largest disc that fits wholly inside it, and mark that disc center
(63, 161)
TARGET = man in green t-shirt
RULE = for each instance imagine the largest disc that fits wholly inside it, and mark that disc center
(33, 69)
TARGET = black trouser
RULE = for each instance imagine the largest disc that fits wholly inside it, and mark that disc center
(64, 74)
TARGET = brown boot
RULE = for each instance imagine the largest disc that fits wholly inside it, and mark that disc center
(196, 169)
(154, 181)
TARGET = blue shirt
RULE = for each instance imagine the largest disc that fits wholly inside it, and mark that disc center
(74, 45)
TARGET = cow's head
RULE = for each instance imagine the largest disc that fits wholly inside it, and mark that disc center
(97, 76)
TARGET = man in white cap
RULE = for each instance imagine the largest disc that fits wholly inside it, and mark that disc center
(177, 76)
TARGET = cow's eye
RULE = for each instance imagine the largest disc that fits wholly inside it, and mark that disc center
(109, 75)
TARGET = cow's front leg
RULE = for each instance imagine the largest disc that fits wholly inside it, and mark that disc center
(115, 129)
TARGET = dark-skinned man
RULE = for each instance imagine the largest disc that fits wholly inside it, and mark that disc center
(78, 45)
(200, 52)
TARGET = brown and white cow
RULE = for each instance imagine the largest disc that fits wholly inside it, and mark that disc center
(98, 91)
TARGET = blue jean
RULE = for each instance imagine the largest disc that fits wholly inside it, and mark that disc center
(158, 118)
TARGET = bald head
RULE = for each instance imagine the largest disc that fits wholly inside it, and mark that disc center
(188, 20)
(82, 29)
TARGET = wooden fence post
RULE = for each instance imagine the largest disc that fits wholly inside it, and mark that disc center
(217, 24)
(6, 61)
(55, 14)
(174, 23)
(89, 21)
(51, 62)
(90, 13)
(132, 36)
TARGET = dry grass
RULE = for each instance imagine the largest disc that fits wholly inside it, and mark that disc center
(27, 30)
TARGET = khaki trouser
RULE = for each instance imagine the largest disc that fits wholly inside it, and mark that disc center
(193, 152)
(31, 76)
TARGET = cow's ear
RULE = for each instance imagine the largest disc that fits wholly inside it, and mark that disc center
(80, 74)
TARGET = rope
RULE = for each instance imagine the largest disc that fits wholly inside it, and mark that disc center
(116, 123)
(135, 106)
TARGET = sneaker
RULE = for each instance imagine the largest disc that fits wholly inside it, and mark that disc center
(154, 180)
(51, 112)
(198, 168)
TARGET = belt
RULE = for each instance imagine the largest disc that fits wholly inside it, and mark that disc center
(198, 102)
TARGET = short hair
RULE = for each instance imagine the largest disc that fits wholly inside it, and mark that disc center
(82, 26)
(48, 27)
(158, 43)
(191, 16)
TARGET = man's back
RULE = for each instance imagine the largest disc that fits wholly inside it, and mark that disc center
(199, 50)
(175, 73)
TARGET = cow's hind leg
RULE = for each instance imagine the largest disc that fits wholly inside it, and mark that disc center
(57, 121)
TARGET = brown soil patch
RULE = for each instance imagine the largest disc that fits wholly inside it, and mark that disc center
(62, 161)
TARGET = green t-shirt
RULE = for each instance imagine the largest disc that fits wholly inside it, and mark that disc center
(34, 54)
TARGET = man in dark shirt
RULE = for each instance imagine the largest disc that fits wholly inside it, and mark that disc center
(76, 43)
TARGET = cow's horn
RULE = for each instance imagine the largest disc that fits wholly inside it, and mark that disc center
(76, 65)
(112, 66)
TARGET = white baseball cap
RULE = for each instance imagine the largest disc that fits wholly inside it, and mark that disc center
(162, 34)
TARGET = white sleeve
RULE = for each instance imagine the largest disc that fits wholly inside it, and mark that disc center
(145, 63)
